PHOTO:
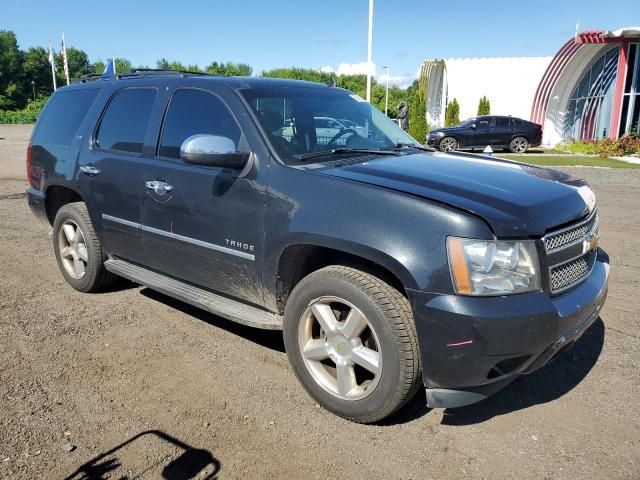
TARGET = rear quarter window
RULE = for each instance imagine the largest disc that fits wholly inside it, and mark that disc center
(62, 117)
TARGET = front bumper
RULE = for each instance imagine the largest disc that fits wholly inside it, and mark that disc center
(472, 347)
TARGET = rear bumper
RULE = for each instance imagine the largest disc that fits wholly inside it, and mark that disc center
(472, 347)
(36, 201)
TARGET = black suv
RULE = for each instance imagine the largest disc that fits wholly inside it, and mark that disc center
(510, 133)
(387, 266)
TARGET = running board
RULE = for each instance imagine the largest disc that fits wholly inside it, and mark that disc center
(216, 304)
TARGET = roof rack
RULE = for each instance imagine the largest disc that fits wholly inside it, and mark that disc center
(139, 72)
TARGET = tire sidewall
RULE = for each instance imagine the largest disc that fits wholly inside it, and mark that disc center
(379, 399)
(70, 212)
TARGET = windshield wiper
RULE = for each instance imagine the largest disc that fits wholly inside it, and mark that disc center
(398, 146)
(338, 151)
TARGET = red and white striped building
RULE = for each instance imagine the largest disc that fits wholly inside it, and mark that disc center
(590, 89)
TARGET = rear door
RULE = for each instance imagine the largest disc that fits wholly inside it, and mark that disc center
(205, 224)
(501, 131)
(111, 170)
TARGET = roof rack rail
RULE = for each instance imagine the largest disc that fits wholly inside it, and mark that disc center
(137, 72)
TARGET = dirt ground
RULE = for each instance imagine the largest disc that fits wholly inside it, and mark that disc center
(131, 384)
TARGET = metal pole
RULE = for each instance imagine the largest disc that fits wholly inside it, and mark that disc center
(386, 95)
(369, 51)
(33, 87)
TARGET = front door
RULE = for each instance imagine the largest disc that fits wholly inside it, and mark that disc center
(201, 224)
(111, 171)
(481, 135)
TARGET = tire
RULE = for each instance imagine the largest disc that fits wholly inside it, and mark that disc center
(448, 144)
(385, 326)
(80, 256)
(519, 145)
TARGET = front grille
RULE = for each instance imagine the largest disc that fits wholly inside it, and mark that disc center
(567, 274)
(570, 235)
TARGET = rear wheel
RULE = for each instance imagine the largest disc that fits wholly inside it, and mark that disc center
(448, 144)
(78, 250)
(351, 341)
(519, 145)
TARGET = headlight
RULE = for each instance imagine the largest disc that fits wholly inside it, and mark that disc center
(438, 134)
(486, 267)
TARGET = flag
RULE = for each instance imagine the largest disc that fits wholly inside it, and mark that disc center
(63, 52)
(110, 69)
(52, 61)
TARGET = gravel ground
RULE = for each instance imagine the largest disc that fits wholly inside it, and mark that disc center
(122, 384)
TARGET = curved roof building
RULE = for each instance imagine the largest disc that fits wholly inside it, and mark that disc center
(589, 89)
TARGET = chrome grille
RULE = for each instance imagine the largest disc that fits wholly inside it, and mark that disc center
(570, 273)
(570, 235)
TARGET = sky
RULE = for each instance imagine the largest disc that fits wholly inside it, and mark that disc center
(327, 34)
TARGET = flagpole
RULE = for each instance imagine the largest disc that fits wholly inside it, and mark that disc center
(113, 59)
(53, 68)
(64, 59)
(370, 34)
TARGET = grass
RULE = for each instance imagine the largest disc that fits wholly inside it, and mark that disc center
(570, 161)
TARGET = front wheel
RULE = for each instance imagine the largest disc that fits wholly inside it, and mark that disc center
(519, 145)
(448, 144)
(351, 340)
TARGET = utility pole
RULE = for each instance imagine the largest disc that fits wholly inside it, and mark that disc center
(386, 95)
(369, 51)
(33, 88)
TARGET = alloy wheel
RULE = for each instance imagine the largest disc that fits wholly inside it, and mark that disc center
(73, 249)
(519, 145)
(448, 144)
(340, 348)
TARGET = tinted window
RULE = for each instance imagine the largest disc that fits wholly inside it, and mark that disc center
(192, 112)
(502, 122)
(62, 117)
(482, 123)
(124, 124)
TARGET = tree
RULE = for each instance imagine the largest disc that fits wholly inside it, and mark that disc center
(484, 107)
(417, 117)
(12, 94)
(229, 69)
(36, 69)
(78, 62)
(452, 114)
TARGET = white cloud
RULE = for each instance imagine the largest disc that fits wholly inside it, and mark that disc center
(344, 68)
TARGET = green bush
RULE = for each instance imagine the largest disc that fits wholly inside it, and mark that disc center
(627, 145)
(28, 114)
(452, 114)
(484, 107)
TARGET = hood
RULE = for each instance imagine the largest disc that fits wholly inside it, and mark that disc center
(515, 199)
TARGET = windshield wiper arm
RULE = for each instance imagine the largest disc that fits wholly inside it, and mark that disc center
(338, 151)
(409, 145)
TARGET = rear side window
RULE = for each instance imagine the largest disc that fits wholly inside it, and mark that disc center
(62, 117)
(192, 112)
(502, 122)
(124, 123)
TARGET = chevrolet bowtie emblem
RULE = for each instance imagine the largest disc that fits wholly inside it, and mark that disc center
(590, 243)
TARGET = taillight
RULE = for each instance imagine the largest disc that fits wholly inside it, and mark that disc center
(29, 178)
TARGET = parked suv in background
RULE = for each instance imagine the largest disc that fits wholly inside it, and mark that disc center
(387, 266)
(511, 133)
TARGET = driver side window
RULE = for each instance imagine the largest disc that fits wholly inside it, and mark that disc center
(193, 112)
(483, 124)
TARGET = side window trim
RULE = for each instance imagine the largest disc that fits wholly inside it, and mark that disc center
(156, 152)
(94, 136)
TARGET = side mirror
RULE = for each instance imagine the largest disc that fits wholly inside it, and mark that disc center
(212, 151)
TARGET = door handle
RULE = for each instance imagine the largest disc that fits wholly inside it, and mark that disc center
(159, 187)
(89, 170)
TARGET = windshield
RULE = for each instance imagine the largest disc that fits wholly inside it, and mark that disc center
(303, 120)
